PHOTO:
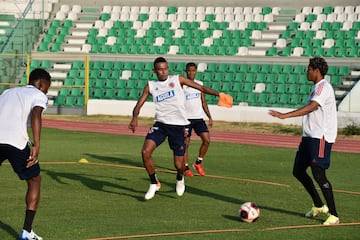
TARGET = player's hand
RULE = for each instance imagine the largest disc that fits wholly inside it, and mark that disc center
(276, 114)
(210, 123)
(225, 100)
(33, 158)
(133, 124)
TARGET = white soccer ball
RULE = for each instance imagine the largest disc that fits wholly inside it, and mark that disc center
(249, 212)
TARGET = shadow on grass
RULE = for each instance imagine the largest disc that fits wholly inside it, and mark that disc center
(9, 229)
(116, 160)
(227, 199)
(90, 182)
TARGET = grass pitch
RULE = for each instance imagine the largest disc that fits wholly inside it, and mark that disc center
(104, 199)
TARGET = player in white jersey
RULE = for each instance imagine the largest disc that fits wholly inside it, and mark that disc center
(17, 105)
(170, 121)
(319, 133)
(196, 106)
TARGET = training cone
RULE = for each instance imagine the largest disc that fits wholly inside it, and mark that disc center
(83, 160)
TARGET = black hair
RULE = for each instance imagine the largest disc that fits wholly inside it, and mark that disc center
(190, 64)
(159, 60)
(38, 74)
(319, 63)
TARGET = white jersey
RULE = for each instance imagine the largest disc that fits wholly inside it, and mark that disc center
(193, 103)
(15, 108)
(169, 99)
(323, 121)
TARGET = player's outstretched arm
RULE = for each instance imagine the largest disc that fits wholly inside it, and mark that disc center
(185, 81)
(296, 113)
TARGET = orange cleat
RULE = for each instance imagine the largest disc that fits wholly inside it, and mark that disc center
(199, 169)
(188, 173)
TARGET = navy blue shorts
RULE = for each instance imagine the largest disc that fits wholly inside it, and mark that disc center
(198, 125)
(175, 134)
(18, 160)
(313, 152)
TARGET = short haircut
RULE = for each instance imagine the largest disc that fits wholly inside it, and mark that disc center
(39, 74)
(319, 63)
(159, 60)
(190, 64)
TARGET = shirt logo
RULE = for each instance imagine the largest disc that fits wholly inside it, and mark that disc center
(192, 96)
(164, 96)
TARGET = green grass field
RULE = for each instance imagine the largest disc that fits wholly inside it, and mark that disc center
(105, 198)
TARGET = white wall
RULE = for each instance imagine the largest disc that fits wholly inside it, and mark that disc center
(234, 114)
(351, 103)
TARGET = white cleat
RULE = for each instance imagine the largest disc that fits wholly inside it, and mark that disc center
(152, 190)
(180, 187)
(25, 235)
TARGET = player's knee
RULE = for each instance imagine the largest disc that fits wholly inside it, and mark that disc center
(145, 153)
(298, 174)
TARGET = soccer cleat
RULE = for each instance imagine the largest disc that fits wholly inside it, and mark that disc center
(25, 235)
(331, 220)
(180, 187)
(317, 210)
(152, 190)
(188, 173)
(199, 169)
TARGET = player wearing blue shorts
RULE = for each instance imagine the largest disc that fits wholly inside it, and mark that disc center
(170, 122)
(196, 106)
(319, 133)
(17, 105)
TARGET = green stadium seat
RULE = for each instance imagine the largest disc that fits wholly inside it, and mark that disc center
(273, 51)
(270, 88)
(287, 69)
(294, 99)
(254, 68)
(109, 93)
(248, 87)
(344, 70)
(97, 93)
(80, 101)
(284, 99)
(335, 80)
(76, 92)
(134, 94)
(70, 101)
(293, 88)
(304, 89)
(226, 87)
(280, 88)
(60, 100)
(237, 87)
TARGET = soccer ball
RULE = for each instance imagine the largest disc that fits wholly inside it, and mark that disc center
(249, 212)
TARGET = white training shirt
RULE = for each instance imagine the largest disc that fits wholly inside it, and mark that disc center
(16, 105)
(323, 121)
(169, 99)
(193, 103)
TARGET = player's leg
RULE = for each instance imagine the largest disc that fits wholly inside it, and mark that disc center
(32, 201)
(301, 163)
(153, 139)
(318, 168)
(187, 171)
(201, 130)
(18, 160)
(180, 168)
(176, 138)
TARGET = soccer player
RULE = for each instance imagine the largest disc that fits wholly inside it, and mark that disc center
(319, 133)
(170, 121)
(195, 105)
(17, 105)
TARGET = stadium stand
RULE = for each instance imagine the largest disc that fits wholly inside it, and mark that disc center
(258, 54)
